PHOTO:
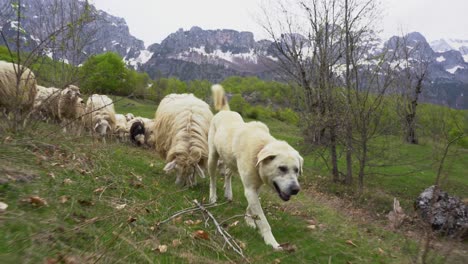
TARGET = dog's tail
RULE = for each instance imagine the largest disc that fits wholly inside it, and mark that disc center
(219, 98)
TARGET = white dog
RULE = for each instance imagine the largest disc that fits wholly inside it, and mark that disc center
(259, 158)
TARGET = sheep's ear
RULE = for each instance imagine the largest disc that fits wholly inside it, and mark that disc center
(170, 166)
(200, 171)
(265, 155)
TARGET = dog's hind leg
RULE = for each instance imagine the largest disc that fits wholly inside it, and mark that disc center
(213, 157)
(227, 184)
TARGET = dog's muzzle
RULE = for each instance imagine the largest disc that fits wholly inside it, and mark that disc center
(293, 189)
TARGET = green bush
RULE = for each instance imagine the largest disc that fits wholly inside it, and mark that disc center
(287, 115)
(238, 104)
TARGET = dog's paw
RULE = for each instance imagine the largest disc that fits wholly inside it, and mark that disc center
(277, 247)
(228, 196)
(250, 222)
(213, 199)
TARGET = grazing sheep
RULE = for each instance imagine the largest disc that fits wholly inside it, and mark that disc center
(129, 116)
(180, 135)
(42, 103)
(70, 108)
(100, 115)
(16, 95)
(121, 127)
(64, 106)
(141, 130)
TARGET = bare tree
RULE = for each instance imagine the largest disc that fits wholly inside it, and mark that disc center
(59, 33)
(415, 63)
(308, 40)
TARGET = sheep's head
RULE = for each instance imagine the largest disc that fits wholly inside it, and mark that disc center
(185, 174)
(102, 127)
(72, 92)
(129, 116)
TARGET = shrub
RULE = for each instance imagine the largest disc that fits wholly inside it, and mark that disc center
(287, 115)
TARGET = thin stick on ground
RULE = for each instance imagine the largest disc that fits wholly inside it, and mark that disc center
(188, 210)
(227, 237)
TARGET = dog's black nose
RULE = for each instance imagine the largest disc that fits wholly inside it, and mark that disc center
(295, 189)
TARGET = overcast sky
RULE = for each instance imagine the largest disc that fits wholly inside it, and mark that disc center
(153, 20)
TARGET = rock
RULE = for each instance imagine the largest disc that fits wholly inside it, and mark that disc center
(445, 213)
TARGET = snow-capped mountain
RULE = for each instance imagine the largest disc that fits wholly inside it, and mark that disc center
(189, 55)
(443, 45)
(40, 21)
(216, 54)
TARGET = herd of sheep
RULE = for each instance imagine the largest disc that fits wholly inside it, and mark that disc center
(182, 121)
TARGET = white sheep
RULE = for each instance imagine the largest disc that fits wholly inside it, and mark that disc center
(42, 103)
(100, 115)
(129, 116)
(16, 95)
(64, 106)
(121, 127)
(69, 108)
(180, 135)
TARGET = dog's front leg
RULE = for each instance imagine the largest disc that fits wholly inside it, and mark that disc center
(257, 213)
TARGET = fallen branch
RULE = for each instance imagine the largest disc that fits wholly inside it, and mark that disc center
(188, 210)
(227, 237)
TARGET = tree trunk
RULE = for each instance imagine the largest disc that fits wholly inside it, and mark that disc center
(410, 117)
(410, 128)
(334, 159)
(362, 164)
(349, 160)
(349, 131)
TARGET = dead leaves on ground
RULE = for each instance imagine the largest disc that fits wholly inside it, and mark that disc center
(35, 201)
(201, 234)
(191, 222)
(287, 247)
(176, 242)
(350, 242)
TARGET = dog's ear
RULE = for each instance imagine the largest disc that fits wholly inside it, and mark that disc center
(264, 155)
(170, 166)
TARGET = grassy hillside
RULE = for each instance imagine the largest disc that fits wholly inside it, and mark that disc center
(105, 203)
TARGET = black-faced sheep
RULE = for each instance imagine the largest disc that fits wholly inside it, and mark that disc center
(141, 131)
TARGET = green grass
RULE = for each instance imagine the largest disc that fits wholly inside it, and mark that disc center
(89, 227)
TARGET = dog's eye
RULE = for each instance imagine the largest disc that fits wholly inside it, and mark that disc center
(283, 169)
(296, 170)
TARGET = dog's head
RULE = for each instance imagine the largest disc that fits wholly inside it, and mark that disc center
(279, 166)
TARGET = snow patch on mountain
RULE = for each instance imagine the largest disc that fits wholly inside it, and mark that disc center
(465, 57)
(145, 56)
(440, 59)
(228, 56)
(454, 69)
